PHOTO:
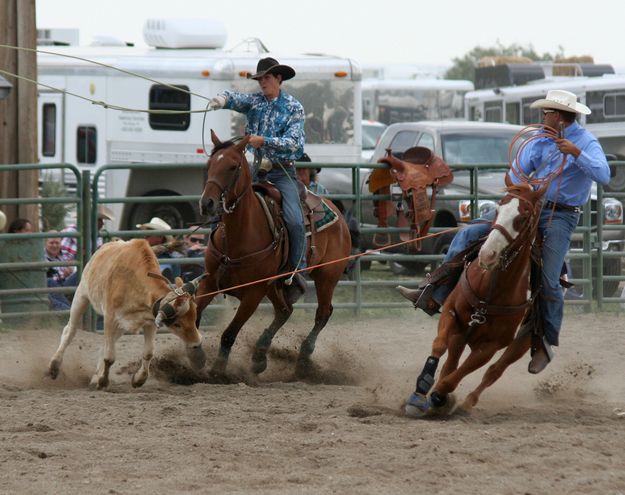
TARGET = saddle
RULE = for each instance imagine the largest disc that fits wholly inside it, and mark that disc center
(416, 170)
(317, 214)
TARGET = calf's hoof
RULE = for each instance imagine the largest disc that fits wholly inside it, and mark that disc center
(137, 381)
(53, 369)
(98, 383)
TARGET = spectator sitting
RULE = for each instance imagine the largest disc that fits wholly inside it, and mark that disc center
(69, 245)
(58, 276)
(20, 226)
(164, 246)
(195, 247)
(309, 177)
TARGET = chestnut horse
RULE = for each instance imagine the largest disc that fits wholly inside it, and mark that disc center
(245, 248)
(486, 307)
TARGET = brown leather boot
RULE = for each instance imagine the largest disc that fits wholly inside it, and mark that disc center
(421, 298)
(541, 357)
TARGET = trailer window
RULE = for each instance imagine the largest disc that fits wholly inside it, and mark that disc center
(605, 106)
(531, 115)
(167, 98)
(48, 129)
(493, 112)
(513, 113)
(86, 144)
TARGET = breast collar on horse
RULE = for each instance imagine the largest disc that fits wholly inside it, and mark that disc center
(483, 307)
(247, 259)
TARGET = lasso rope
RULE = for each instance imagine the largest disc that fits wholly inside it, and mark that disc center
(537, 131)
(100, 102)
(351, 257)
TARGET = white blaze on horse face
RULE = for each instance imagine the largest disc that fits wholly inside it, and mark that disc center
(496, 241)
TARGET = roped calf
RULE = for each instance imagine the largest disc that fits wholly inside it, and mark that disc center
(116, 283)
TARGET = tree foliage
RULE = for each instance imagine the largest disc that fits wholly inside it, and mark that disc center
(53, 214)
(464, 67)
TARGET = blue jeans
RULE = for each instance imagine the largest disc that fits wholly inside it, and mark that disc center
(58, 301)
(556, 232)
(292, 211)
(472, 232)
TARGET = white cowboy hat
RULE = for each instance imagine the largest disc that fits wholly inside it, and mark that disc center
(558, 99)
(3, 220)
(105, 213)
(154, 224)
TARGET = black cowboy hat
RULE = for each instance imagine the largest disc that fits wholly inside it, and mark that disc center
(272, 66)
(306, 158)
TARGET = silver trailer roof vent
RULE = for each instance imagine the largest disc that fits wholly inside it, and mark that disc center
(184, 33)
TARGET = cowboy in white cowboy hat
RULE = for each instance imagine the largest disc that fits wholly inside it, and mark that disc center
(585, 163)
(275, 122)
(156, 223)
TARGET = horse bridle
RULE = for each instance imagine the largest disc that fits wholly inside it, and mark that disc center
(225, 190)
(514, 244)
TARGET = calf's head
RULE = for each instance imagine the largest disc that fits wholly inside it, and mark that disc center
(177, 312)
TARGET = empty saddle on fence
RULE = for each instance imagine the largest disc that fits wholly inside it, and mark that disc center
(415, 170)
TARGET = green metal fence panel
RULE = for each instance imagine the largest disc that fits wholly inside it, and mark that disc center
(23, 282)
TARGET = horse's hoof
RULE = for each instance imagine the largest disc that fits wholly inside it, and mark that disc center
(446, 408)
(258, 366)
(417, 406)
(303, 368)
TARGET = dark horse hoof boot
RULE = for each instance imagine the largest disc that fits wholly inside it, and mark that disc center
(295, 290)
(421, 298)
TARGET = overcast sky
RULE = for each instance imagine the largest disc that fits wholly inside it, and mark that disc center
(371, 32)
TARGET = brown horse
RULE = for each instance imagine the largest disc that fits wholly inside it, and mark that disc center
(485, 308)
(247, 247)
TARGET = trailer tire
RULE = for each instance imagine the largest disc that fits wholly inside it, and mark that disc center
(177, 215)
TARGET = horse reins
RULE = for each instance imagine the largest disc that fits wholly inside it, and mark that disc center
(225, 190)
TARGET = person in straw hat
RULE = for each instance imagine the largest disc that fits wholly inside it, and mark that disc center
(585, 163)
(164, 246)
(275, 122)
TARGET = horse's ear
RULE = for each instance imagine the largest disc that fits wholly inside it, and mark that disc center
(240, 147)
(214, 138)
(508, 181)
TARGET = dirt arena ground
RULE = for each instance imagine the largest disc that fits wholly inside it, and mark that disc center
(558, 432)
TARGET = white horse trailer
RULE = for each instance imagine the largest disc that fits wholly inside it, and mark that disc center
(76, 131)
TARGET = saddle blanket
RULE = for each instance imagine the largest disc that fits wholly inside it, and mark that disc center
(328, 218)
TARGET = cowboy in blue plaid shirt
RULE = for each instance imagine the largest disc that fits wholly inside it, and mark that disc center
(275, 121)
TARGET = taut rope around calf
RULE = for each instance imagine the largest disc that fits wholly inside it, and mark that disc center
(351, 257)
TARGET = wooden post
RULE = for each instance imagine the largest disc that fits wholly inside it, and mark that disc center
(18, 112)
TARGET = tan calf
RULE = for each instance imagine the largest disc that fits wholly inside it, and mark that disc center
(116, 283)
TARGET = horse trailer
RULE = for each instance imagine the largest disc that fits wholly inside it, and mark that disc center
(183, 66)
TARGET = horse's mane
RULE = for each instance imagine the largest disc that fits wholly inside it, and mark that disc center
(222, 145)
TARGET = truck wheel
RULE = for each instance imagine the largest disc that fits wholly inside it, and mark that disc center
(441, 246)
(177, 215)
(611, 266)
(617, 183)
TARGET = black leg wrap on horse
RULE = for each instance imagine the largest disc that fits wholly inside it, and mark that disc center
(438, 400)
(426, 378)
